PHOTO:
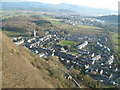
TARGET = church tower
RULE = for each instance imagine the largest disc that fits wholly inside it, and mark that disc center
(35, 33)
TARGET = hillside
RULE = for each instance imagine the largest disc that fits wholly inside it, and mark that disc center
(26, 24)
(110, 19)
(22, 69)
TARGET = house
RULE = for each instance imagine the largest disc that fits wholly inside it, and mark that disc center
(19, 42)
(53, 53)
(30, 40)
(83, 51)
(67, 61)
(111, 60)
(113, 82)
(93, 61)
(108, 49)
(65, 55)
(63, 49)
(94, 72)
(86, 66)
(98, 57)
(36, 52)
(62, 59)
(43, 54)
(14, 39)
(93, 55)
(19, 38)
(116, 69)
(101, 72)
(111, 76)
(88, 71)
(82, 45)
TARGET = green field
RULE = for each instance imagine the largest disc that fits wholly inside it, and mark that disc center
(66, 43)
(49, 18)
(12, 34)
(86, 27)
(8, 14)
(80, 29)
(116, 39)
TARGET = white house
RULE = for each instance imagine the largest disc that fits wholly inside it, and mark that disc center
(42, 55)
(53, 53)
(19, 42)
(36, 52)
(97, 57)
(87, 66)
(93, 55)
(93, 62)
(111, 60)
(101, 72)
(82, 45)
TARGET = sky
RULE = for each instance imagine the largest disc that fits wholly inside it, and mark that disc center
(108, 4)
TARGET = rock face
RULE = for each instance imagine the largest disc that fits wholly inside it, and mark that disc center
(18, 72)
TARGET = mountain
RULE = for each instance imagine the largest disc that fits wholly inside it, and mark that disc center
(57, 8)
(84, 10)
(22, 69)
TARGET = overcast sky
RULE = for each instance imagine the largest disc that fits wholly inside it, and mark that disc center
(109, 4)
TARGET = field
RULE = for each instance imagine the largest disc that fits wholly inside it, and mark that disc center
(49, 18)
(86, 27)
(82, 29)
(66, 43)
(10, 33)
(116, 40)
(7, 14)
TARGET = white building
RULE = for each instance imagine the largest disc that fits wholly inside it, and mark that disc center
(42, 54)
(30, 40)
(35, 33)
(111, 76)
(111, 60)
(97, 57)
(101, 72)
(87, 66)
(19, 42)
(82, 45)
(93, 62)
(53, 53)
(36, 52)
(93, 55)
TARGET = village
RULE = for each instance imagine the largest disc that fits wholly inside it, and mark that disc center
(89, 54)
(76, 19)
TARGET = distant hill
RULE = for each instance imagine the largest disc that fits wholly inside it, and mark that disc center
(23, 69)
(109, 18)
(59, 8)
